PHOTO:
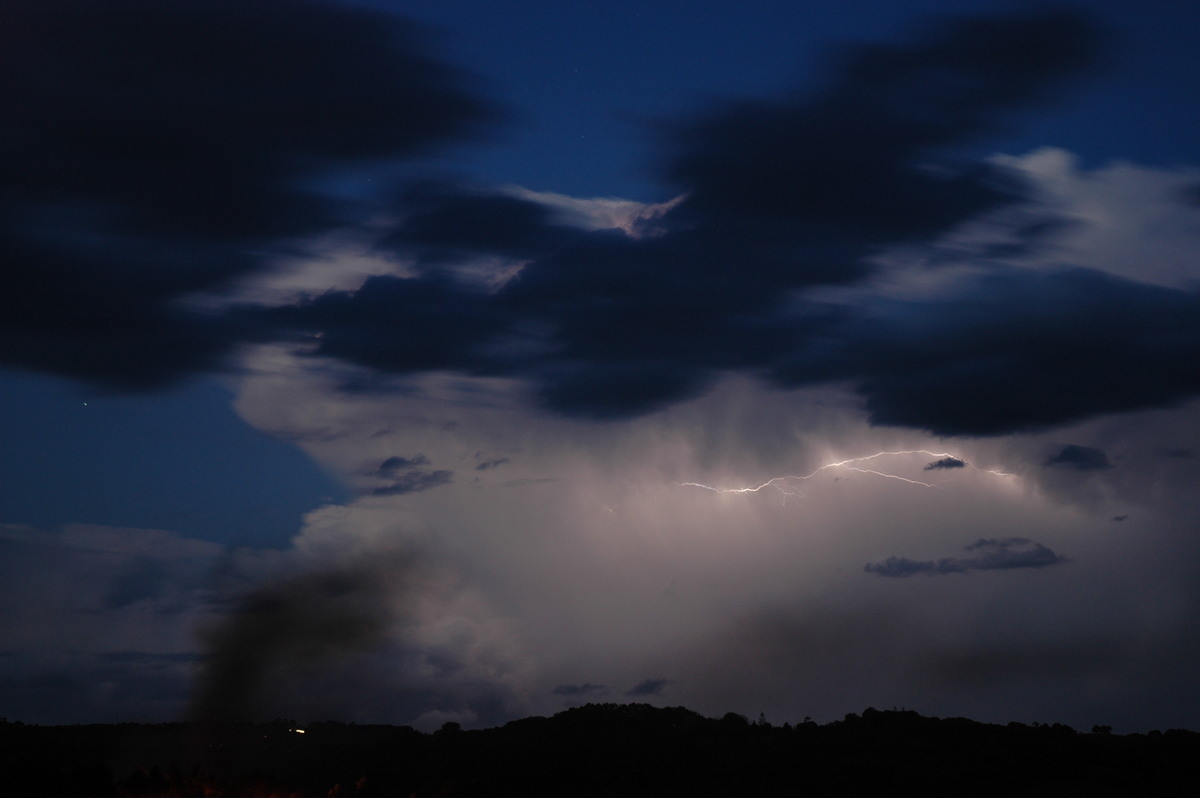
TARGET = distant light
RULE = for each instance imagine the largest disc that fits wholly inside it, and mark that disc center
(297, 731)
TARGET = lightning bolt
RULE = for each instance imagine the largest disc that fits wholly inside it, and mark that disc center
(784, 484)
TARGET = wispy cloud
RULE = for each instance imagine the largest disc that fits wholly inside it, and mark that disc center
(1080, 458)
(986, 554)
(391, 466)
(945, 462)
(575, 690)
(414, 482)
(648, 687)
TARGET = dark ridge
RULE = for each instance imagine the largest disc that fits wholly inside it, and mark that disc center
(598, 750)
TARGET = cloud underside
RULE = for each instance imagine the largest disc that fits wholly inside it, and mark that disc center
(157, 149)
(986, 554)
(153, 188)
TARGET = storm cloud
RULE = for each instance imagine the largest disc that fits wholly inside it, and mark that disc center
(776, 197)
(854, 165)
(159, 148)
(174, 191)
(1014, 350)
(266, 189)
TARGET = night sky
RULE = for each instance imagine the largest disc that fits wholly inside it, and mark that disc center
(408, 362)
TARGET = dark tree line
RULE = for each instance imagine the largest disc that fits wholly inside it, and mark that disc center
(596, 750)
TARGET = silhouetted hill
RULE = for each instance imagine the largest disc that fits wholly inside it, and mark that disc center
(597, 750)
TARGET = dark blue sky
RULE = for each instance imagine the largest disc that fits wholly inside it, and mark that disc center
(179, 460)
(547, 344)
(590, 80)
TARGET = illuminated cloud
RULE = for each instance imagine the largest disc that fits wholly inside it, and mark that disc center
(1083, 216)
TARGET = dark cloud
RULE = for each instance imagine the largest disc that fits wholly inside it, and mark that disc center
(172, 166)
(945, 462)
(780, 196)
(986, 554)
(394, 464)
(405, 475)
(575, 690)
(414, 482)
(855, 164)
(447, 224)
(648, 687)
(494, 463)
(155, 148)
(1012, 350)
(619, 390)
(400, 325)
(1081, 458)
